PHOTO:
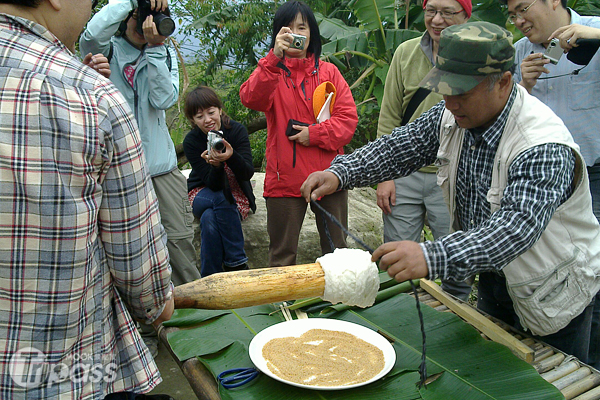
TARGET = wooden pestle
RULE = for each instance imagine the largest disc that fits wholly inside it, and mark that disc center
(253, 287)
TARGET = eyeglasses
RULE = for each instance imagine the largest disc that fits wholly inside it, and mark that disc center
(431, 12)
(512, 19)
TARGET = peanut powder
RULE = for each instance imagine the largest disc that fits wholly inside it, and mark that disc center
(323, 357)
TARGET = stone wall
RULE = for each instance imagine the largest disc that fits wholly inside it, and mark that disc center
(364, 220)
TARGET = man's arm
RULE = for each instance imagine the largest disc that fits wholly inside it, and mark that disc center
(539, 181)
(129, 223)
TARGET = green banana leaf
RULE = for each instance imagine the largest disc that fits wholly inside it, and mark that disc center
(462, 365)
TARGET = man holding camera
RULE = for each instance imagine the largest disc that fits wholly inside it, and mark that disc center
(569, 90)
(145, 70)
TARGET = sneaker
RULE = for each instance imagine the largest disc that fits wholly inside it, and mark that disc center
(152, 344)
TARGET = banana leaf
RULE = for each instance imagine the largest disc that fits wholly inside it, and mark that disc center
(464, 365)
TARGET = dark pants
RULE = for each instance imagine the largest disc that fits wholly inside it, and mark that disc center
(134, 396)
(576, 339)
(222, 238)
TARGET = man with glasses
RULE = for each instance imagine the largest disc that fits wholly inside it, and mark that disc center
(569, 90)
(408, 201)
(82, 250)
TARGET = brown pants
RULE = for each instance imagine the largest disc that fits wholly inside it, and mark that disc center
(284, 221)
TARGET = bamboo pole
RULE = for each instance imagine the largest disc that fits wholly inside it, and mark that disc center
(480, 322)
(593, 394)
(547, 364)
(240, 289)
(572, 378)
(581, 386)
(560, 371)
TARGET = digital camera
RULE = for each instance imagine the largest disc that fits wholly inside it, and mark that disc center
(215, 141)
(164, 23)
(553, 52)
(298, 41)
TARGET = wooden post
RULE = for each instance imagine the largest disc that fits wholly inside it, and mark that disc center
(481, 323)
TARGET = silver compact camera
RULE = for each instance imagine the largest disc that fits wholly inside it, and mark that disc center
(215, 141)
(553, 52)
(298, 41)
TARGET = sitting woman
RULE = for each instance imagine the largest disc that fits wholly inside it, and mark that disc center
(219, 184)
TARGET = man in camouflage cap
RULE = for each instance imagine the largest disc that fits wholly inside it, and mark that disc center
(457, 71)
(513, 178)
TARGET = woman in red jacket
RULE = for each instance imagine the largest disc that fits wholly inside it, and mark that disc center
(282, 86)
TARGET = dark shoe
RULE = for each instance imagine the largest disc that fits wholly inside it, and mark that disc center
(240, 267)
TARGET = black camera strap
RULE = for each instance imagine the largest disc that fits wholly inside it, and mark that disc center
(414, 102)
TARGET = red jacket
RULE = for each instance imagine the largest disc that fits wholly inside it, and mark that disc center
(284, 93)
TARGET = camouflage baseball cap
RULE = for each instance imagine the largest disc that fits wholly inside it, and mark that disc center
(467, 54)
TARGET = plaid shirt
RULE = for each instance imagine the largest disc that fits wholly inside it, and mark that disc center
(80, 232)
(539, 180)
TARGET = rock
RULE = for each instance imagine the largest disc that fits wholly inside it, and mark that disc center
(364, 219)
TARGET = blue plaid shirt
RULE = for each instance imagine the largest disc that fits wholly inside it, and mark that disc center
(539, 180)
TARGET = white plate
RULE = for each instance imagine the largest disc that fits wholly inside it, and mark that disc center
(297, 327)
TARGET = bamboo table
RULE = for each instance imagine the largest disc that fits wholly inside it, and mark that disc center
(574, 379)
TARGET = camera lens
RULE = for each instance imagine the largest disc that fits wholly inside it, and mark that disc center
(164, 24)
(297, 43)
(219, 146)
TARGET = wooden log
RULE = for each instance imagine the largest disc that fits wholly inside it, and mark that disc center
(560, 371)
(572, 378)
(253, 287)
(547, 364)
(481, 323)
(581, 386)
(593, 394)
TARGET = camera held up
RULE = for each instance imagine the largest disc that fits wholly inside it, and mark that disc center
(215, 141)
(298, 41)
(164, 23)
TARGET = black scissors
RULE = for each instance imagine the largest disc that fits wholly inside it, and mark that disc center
(236, 377)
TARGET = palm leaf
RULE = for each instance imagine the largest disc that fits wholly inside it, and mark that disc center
(469, 366)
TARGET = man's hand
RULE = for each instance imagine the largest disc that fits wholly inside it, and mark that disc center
(319, 184)
(99, 63)
(386, 196)
(301, 137)
(402, 260)
(569, 34)
(166, 314)
(531, 68)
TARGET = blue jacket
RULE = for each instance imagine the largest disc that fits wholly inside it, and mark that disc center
(156, 80)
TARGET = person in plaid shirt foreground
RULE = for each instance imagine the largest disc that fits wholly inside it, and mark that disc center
(81, 244)
(516, 187)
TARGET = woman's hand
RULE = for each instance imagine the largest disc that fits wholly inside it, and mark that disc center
(215, 158)
(301, 137)
(151, 32)
(98, 62)
(282, 41)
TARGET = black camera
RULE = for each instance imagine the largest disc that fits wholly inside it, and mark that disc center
(164, 23)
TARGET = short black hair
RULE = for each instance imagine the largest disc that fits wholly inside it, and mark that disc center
(25, 3)
(287, 13)
(201, 98)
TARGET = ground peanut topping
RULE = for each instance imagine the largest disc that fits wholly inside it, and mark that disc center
(322, 357)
